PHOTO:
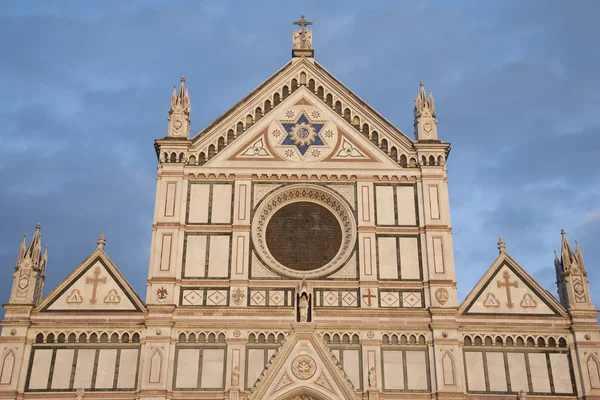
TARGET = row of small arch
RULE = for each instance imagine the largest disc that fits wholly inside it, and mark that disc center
(268, 105)
(518, 341)
(338, 338)
(94, 337)
(412, 339)
(202, 337)
(270, 338)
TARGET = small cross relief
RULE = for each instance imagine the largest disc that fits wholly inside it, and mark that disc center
(507, 283)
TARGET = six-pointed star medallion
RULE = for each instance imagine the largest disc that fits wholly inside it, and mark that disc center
(302, 134)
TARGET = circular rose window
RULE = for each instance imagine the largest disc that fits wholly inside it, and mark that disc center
(304, 236)
(303, 231)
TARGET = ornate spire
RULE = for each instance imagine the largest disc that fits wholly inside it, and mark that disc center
(302, 39)
(22, 249)
(572, 281)
(179, 112)
(501, 245)
(579, 255)
(567, 256)
(35, 246)
(28, 282)
(425, 118)
(101, 241)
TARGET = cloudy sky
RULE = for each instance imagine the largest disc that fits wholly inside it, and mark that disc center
(85, 89)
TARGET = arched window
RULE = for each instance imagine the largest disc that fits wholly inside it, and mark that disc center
(375, 138)
(285, 92)
(221, 143)
(249, 121)
(201, 159)
(347, 115)
(365, 130)
(276, 99)
(239, 129)
(267, 106)
(402, 161)
(303, 78)
(258, 113)
(329, 100)
(294, 85)
(338, 107)
(211, 151)
(321, 93)
(384, 145)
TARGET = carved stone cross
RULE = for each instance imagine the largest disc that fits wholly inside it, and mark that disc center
(302, 23)
(95, 281)
(506, 283)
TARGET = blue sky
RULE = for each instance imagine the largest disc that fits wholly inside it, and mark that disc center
(85, 89)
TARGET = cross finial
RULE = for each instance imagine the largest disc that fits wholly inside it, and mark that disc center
(563, 233)
(101, 241)
(302, 23)
(37, 226)
(501, 245)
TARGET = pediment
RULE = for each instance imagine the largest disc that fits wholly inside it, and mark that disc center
(303, 365)
(95, 285)
(304, 133)
(302, 84)
(507, 289)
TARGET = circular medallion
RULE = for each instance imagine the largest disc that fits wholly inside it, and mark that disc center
(304, 367)
(304, 231)
(370, 335)
(442, 296)
(177, 124)
(303, 134)
(236, 333)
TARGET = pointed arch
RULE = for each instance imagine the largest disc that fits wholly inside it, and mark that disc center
(384, 145)
(321, 92)
(258, 113)
(294, 84)
(211, 151)
(276, 99)
(8, 364)
(593, 367)
(448, 369)
(329, 100)
(285, 92)
(239, 129)
(267, 106)
(155, 366)
(221, 143)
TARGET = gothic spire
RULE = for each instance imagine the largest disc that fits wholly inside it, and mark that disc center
(34, 251)
(572, 281)
(179, 112)
(579, 255)
(425, 118)
(567, 256)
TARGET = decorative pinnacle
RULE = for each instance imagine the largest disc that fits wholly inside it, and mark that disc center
(563, 233)
(183, 79)
(501, 245)
(101, 241)
(37, 227)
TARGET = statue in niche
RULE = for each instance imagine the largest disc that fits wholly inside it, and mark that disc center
(235, 376)
(304, 303)
(372, 378)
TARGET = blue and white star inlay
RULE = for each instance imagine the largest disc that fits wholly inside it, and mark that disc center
(302, 134)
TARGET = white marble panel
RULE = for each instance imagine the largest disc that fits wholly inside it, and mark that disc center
(434, 202)
(561, 374)
(393, 371)
(416, 370)
(127, 368)
(165, 252)
(388, 258)
(221, 204)
(409, 258)
(213, 368)
(256, 364)
(84, 369)
(438, 255)
(517, 372)
(195, 256)
(40, 369)
(187, 368)
(198, 207)
(352, 366)
(218, 259)
(539, 372)
(496, 372)
(405, 198)
(170, 199)
(105, 373)
(62, 369)
(385, 205)
(475, 372)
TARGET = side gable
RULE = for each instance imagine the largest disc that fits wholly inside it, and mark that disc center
(95, 285)
(507, 289)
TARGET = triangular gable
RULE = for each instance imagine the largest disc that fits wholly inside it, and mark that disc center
(95, 285)
(507, 289)
(303, 133)
(228, 122)
(303, 366)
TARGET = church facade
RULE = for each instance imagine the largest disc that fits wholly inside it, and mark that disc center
(301, 249)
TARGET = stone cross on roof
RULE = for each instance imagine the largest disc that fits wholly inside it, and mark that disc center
(302, 39)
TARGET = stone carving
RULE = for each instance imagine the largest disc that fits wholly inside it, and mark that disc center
(507, 283)
(522, 395)
(304, 307)
(257, 149)
(161, 294)
(238, 296)
(304, 367)
(235, 376)
(324, 383)
(79, 393)
(348, 150)
(372, 378)
(283, 382)
(112, 297)
(95, 281)
(302, 38)
(75, 297)
(304, 302)
(441, 295)
(491, 301)
(528, 301)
